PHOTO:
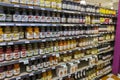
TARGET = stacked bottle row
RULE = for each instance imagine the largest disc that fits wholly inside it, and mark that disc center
(63, 4)
(49, 61)
(15, 33)
(107, 28)
(29, 50)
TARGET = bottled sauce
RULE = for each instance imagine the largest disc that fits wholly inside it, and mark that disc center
(29, 67)
(23, 2)
(1, 34)
(2, 73)
(34, 65)
(30, 16)
(24, 16)
(43, 18)
(36, 33)
(21, 33)
(29, 50)
(2, 14)
(8, 16)
(2, 55)
(23, 52)
(5, 1)
(29, 33)
(16, 16)
(9, 71)
(42, 3)
(63, 19)
(16, 69)
(42, 48)
(58, 4)
(47, 3)
(14, 1)
(36, 2)
(16, 52)
(15, 31)
(8, 53)
(48, 18)
(37, 17)
(53, 3)
(35, 48)
(30, 2)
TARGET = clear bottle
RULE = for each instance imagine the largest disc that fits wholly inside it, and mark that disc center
(8, 15)
(24, 16)
(16, 16)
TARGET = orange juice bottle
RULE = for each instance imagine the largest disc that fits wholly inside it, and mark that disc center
(1, 34)
(36, 32)
(29, 33)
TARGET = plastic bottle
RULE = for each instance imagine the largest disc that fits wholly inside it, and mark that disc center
(2, 14)
(24, 16)
(42, 3)
(16, 16)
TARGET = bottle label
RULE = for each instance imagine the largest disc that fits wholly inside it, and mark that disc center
(2, 75)
(36, 52)
(16, 71)
(23, 53)
(28, 68)
(37, 18)
(23, 1)
(2, 57)
(8, 17)
(15, 36)
(14, 1)
(2, 17)
(53, 4)
(37, 2)
(29, 35)
(59, 5)
(29, 53)
(42, 34)
(30, 2)
(41, 51)
(43, 18)
(35, 67)
(16, 55)
(24, 18)
(9, 73)
(36, 35)
(30, 18)
(7, 37)
(17, 17)
(47, 3)
(8, 56)
(1, 37)
(42, 3)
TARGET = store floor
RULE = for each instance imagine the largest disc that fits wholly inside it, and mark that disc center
(111, 77)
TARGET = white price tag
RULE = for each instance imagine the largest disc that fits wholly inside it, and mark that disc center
(33, 58)
(43, 40)
(53, 67)
(10, 43)
(16, 5)
(31, 7)
(44, 56)
(18, 78)
(27, 41)
(57, 55)
(2, 44)
(43, 70)
(31, 74)
(26, 61)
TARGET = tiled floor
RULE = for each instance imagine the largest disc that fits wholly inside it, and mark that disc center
(111, 77)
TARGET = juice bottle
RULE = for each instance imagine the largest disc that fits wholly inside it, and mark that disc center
(1, 34)
(42, 3)
(16, 69)
(29, 33)
(30, 16)
(15, 31)
(2, 14)
(36, 32)
(7, 33)
(16, 52)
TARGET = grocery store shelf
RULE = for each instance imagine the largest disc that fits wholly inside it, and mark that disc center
(43, 24)
(50, 9)
(111, 49)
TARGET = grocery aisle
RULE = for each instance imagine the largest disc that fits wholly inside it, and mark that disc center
(55, 40)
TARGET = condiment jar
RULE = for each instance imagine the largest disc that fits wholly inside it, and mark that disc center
(2, 73)
(23, 52)
(23, 2)
(21, 32)
(14, 1)
(2, 55)
(16, 34)
(36, 32)
(35, 49)
(1, 34)
(42, 32)
(42, 3)
(29, 50)
(7, 33)
(9, 71)
(16, 52)
(2, 14)
(29, 67)
(29, 33)
(36, 2)
(47, 3)
(8, 53)
(16, 69)
(41, 48)
(53, 3)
